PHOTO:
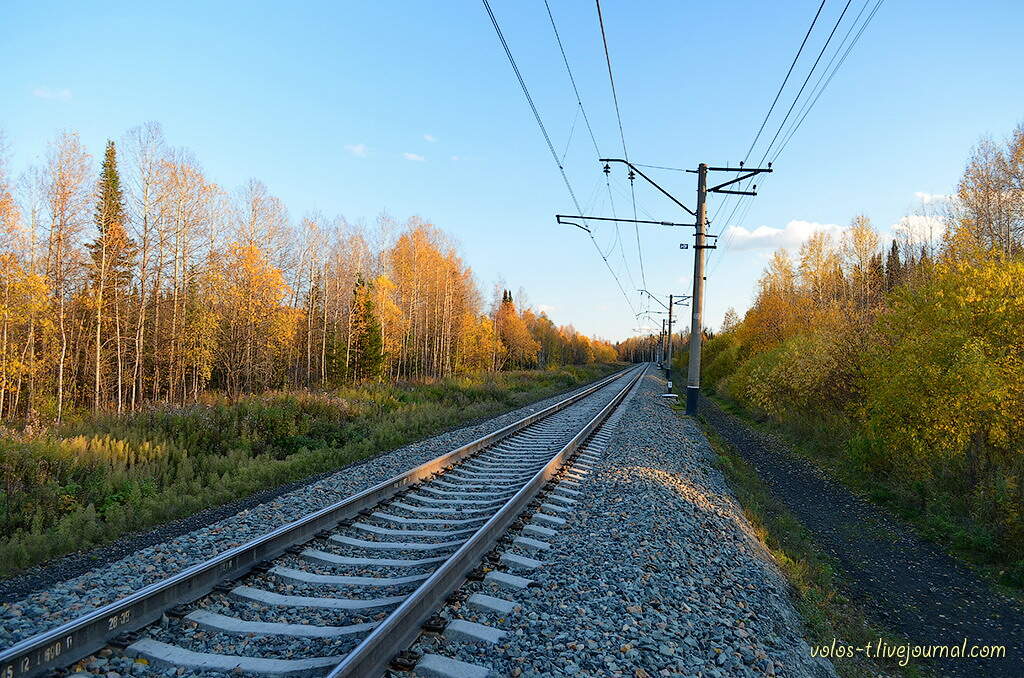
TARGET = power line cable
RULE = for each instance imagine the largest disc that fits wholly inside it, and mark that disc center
(795, 99)
(806, 109)
(789, 112)
(819, 87)
(775, 101)
(807, 79)
(828, 69)
(826, 76)
(622, 136)
(551, 148)
(586, 120)
(785, 80)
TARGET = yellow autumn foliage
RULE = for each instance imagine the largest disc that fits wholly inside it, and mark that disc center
(946, 375)
(924, 386)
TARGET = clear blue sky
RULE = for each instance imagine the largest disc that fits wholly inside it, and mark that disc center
(322, 101)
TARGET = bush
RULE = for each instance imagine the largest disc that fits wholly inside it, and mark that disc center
(719, 359)
(918, 400)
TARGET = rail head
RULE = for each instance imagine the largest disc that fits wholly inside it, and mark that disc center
(79, 637)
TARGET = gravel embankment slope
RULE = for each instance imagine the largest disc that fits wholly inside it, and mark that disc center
(656, 573)
(38, 609)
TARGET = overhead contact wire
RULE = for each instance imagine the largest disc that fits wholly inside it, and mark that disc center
(551, 148)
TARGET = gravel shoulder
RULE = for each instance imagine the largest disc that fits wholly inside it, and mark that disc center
(911, 586)
(655, 573)
(48, 596)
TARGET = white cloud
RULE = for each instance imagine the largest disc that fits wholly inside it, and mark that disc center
(455, 158)
(919, 229)
(52, 94)
(413, 156)
(429, 137)
(766, 237)
(358, 150)
(545, 308)
(930, 198)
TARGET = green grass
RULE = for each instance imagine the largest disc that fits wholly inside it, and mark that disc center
(817, 591)
(97, 478)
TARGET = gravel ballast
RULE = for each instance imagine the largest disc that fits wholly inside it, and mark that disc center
(56, 604)
(656, 572)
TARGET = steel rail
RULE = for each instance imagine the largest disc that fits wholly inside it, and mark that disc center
(400, 628)
(76, 639)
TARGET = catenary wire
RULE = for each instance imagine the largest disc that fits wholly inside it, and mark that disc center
(551, 148)
(622, 135)
(586, 119)
(572, 130)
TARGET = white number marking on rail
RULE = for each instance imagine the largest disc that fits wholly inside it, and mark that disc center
(119, 620)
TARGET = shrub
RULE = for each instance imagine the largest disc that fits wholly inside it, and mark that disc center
(720, 359)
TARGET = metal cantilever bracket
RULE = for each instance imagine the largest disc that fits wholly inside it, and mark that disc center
(634, 168)
(559, 217)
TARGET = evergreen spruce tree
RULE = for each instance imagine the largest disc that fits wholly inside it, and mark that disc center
(369, 340)
(893, 268)
(112, 253)
(112, 250)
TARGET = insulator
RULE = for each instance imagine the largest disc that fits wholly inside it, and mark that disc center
(607, 168)
(631, 175)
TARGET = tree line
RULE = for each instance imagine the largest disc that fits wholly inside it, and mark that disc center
(142, 281)
(904, 360)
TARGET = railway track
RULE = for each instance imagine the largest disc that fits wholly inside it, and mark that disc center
(342, 591)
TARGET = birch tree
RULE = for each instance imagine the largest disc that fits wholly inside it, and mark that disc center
(66, 186)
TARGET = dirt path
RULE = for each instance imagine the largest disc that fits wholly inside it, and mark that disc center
(909, 585)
